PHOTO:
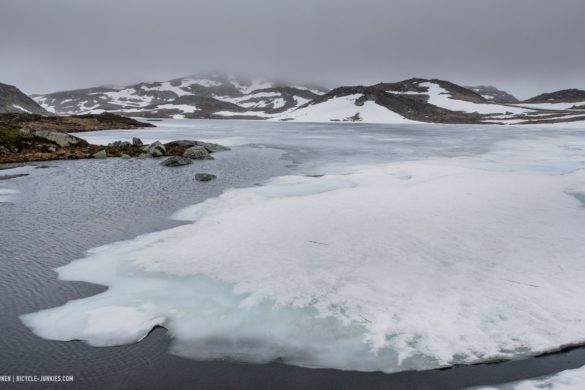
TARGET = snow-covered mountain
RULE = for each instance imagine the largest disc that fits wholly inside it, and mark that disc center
(218, 96)
(13, 100)
(202, 96)
(422, 100)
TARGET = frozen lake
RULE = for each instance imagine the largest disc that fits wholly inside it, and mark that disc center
(355, 247)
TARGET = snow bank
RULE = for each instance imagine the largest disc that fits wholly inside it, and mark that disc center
(410, 265)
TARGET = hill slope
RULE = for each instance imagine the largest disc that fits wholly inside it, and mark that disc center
(13, 100)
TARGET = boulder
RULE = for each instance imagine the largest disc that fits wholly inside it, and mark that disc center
(205, 177)
(183, 142)
(176, 161)
(211, 147)
(137, 141)
(120, 144)
(61, 139)
(125, 156)
(155, 149)
(197, 153)
(100, 154)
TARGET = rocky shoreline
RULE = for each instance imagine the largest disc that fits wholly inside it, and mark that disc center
(27, 137)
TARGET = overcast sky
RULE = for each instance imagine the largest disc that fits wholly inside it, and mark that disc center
(524, 46)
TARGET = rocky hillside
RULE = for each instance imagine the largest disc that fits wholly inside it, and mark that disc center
(566, 99)
(203, 96)
(493, 94)
(13, 100)
(420, 100)
(563, 96)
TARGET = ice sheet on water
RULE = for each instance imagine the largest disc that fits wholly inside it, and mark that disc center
(564, 380)
(388, 267)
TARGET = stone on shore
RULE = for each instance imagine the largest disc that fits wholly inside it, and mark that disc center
(120, 144)
(100, 154)
(137, 141)
(61, 139)
(211, 147)
(176, 161)
(155, 149)
(197, 153)
(205, 177)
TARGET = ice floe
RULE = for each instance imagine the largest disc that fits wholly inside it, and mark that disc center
(407, 265)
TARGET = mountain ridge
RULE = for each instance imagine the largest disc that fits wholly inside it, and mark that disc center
(218, 96)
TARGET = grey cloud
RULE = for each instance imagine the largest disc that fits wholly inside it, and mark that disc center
(524, 46)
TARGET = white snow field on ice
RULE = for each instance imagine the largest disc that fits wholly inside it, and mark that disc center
(392, 266)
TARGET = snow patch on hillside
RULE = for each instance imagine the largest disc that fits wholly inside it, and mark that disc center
(440, 97)
(344, 109)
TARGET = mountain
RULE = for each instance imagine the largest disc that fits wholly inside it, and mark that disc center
(13, 100)
(419, 100)
(493, 94)
(216, 96)
(202, 96)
